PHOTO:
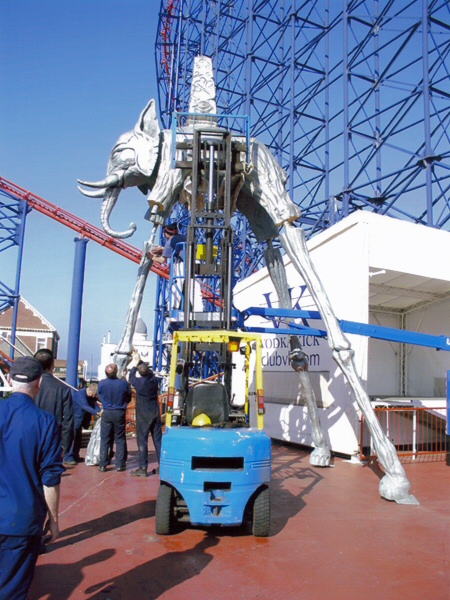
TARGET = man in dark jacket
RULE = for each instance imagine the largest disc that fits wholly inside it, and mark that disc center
(114, 395)
(56, 398)
(148, 418)
(30, 476)
(84, 407)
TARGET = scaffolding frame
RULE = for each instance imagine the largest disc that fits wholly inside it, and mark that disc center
(351, 96)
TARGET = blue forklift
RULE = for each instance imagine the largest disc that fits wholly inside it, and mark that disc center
(215, 464)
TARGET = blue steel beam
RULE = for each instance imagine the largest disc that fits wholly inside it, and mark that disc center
(76, 306)
(282, 316)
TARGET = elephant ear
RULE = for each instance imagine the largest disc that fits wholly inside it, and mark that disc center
(147, 132)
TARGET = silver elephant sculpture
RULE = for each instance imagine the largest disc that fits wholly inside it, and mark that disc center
(143, 157)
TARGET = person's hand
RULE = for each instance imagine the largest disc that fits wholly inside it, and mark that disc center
(159, 260)
(155, 256)
(51, 531)
(135, 359)
(155, 252)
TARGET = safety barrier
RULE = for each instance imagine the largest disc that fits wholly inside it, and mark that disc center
(131, 415)
(416, 432)
(131, 412)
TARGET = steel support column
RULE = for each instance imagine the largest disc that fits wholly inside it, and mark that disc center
(73, 348)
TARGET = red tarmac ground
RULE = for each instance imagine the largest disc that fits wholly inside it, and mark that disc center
(332, 538)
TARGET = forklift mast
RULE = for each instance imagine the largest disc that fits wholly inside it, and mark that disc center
(214, 161)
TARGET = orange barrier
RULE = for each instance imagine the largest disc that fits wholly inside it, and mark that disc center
(131, 411)
(162, 401)
(131, 415)
(414, 431)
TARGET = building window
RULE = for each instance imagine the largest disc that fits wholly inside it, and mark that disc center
(41, 343)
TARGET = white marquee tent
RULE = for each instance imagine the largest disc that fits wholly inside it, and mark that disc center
(376, 270)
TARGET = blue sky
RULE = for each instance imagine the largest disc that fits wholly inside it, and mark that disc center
(75, 75)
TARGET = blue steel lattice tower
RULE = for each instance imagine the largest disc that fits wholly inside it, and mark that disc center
(13, 213)
(352, 97)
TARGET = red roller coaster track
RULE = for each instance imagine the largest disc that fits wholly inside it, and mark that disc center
(84, 228)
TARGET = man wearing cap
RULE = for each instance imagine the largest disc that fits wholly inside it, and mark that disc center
(30, 476)
(161, 254)
(174, 252)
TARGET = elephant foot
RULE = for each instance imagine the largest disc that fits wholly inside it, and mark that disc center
(154, 215)
(320, 457)
(122, 360)
(396, 488)
(298, 360)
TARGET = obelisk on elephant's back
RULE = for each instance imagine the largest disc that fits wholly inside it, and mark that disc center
(203, 93)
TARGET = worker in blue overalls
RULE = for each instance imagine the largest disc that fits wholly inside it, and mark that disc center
(30, 476)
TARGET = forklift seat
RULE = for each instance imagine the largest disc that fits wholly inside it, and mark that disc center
(208, 398)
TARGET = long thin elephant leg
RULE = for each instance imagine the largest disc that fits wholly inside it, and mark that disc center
(320, 456)
(394, 485)
(123, 350)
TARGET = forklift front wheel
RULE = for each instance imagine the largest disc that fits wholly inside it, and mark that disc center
(164, 512)
(261, 513)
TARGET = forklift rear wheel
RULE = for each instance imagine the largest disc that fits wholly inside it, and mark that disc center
(261, 513)
(164, 510)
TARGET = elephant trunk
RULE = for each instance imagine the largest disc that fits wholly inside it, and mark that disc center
(109, 201)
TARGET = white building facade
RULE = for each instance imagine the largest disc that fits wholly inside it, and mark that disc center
(376, 270)
(140, 343)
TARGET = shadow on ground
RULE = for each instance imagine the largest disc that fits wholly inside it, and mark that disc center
(108, 522)
(153, 578)
(48, 577)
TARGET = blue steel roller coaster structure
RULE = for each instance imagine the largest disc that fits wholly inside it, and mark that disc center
(352, 96)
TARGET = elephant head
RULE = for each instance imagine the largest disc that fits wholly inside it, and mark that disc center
(133, 162)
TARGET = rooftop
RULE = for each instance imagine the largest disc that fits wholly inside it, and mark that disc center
(332, 537)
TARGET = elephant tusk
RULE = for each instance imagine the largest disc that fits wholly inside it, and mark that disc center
(89, 194)
(109, 181)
